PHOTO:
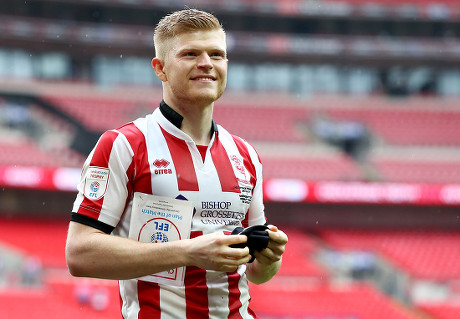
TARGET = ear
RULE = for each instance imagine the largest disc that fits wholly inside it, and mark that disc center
(157, 66)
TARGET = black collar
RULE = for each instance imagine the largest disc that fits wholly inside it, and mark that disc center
(175, 118)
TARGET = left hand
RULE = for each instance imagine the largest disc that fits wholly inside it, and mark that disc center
(276, 247)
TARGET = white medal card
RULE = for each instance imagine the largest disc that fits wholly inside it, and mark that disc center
(157, 219)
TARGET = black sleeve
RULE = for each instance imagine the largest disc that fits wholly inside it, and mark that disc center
(85, 220)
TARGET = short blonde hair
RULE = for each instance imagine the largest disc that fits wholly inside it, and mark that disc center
(182, 21)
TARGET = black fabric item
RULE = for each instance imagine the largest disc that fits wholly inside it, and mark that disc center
(176, 119)
(257, 238)
(82, 219)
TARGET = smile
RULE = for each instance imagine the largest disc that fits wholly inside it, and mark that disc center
(205, 79)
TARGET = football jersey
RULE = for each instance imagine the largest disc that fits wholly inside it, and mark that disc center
(152, 155)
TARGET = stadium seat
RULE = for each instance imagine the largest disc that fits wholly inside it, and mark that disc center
(423, 254)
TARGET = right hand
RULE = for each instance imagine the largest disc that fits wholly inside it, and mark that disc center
(213, 252)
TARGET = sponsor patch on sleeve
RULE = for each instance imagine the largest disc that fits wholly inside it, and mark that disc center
(96, 181)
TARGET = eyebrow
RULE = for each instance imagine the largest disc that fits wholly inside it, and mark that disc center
(187, 49)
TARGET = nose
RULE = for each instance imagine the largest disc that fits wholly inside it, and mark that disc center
(204, 61)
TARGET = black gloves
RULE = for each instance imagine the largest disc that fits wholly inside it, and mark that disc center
(257, 238)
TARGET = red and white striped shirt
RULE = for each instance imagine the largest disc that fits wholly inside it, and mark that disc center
(151, 155)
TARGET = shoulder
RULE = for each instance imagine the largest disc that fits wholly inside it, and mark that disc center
(127, 139)
(130, 130)
(245, 148)
(133, 132)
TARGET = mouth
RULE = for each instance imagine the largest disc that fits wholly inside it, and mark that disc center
(204, 78)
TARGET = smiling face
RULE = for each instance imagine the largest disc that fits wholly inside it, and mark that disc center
(194, 68)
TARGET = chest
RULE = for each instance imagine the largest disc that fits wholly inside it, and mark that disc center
(220, 187)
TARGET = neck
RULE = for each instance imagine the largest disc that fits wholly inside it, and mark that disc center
(197, 120)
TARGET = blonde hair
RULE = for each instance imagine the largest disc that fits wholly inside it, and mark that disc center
(182, 21)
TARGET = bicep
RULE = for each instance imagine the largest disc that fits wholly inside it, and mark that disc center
(80, 247)
(79, 236)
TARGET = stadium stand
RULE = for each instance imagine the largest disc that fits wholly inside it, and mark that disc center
(433, 126)
(442, 311)
(424, 254)
(26, 153)
(96, 114)
(419, 171)
(53, 294)
(327, 302)
(422, 258)
(414, 142)
(282, 123)
(313, 169)
(299, 261)
(78, 68)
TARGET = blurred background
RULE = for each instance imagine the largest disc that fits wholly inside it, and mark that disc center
(353, 106)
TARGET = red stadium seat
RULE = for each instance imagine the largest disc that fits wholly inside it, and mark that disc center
(97, 114)
(28, 153)
(423, 254)
(419, 171)
(298, 259)
(311, 169)
(301, 300)
(441, 311)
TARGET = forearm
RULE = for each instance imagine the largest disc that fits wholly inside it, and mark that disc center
(259, 273)
(95, 254)
(92, 253)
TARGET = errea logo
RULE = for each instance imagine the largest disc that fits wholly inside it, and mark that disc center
(161, 165)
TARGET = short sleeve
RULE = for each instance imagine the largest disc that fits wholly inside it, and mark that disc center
(103, 187)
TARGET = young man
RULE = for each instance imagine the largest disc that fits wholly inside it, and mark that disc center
(178, 151)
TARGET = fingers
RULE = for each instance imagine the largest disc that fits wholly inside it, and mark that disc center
(266, 257)
(228, 264)
(236, 253)
(232, 258)
(277, 235)
(269, 255)
(229, 259)
(234, 239)
(276, 246)
(237, 256)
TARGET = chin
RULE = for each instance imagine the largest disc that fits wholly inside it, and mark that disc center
(207, 98)
(204, 100)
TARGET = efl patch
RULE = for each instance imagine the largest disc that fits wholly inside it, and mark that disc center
(96, 181)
